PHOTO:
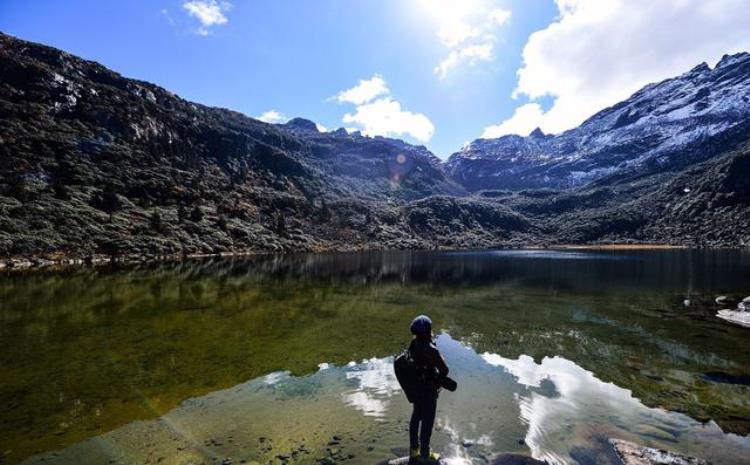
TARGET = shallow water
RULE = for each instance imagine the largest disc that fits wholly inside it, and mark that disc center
(555, 351)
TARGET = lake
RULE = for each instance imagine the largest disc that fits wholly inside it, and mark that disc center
(288, 359)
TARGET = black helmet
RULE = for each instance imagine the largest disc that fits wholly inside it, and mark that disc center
(421, 325)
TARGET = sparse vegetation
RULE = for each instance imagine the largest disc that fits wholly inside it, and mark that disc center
(175, 177)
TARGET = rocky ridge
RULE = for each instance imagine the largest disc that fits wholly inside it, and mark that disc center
(93, 164)
(650, 131)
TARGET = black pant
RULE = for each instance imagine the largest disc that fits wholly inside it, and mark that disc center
(425, 405)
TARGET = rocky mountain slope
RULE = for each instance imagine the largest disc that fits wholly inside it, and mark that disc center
(704, 204)
(650, 131)
(92, 163)
(373, 168)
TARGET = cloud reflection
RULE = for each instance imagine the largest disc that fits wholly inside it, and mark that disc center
(376, 383)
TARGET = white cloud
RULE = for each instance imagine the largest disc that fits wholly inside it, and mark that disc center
(376, 384)
(377, 113)
(208, 12)
(385, 117)
(471, 40)
(273, 116)
(499, 16)
(469, 55)
(524, 120)
(165, 13)
(599, 52)
(365, 91)
(453, 33)
(276, 117)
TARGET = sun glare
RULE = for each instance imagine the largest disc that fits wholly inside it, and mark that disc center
(446, 11)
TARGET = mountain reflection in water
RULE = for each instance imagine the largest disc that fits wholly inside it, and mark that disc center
(561, 411)
(90, 350)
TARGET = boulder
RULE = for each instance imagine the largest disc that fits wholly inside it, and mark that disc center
(516, 459)
(741, 318)
(633, 454)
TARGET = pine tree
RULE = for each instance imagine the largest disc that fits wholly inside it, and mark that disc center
(196, 214)
(17, 186)
(156, 222)
(221, 222)
(280, 226)
(109, 202)
(181, 213)
(61, 190)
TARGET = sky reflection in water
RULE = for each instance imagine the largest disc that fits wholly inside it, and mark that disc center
(561, 411)
(141, 340)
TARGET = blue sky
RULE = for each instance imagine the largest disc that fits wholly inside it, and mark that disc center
(437, 72)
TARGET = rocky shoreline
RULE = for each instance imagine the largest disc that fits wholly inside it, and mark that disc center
(48, 261)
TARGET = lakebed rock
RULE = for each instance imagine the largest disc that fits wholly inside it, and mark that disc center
(738, 317)
(516, 459)
(633, 454)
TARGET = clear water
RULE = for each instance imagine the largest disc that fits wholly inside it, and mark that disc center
(266, 359)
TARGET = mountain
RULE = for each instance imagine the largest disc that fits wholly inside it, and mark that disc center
(93, 164)
(649, 131)
(704, 204)
(376, 168)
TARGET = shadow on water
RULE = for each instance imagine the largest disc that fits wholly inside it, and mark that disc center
(90, 350)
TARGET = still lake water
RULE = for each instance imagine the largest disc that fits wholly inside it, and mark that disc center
(266, 359)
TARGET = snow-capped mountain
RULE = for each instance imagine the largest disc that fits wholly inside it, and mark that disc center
(651, 129)
(94, 163)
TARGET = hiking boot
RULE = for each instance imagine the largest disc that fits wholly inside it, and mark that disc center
(432, 458)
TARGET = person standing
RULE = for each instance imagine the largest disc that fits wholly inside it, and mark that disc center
(431, 367)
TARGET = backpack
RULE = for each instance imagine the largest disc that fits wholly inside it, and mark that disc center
(407, 374)
(410, 373)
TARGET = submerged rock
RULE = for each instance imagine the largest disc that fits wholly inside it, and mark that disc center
(633, 454)
(516, 459)
(737, 317)
(727, 378)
